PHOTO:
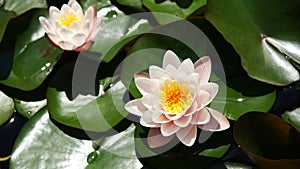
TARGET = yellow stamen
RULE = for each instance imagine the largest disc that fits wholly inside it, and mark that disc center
(68, 19)
(175, 97)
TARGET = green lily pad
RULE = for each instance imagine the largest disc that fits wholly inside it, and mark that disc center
(111, 38)
(5, 17)
(6, 108)
(267, 39)
(29, 108)
(237, 104)
(173, 8)
(97, 3)
(32, 66)
(41, 144)
(268, 140)
(135, 5)
(293, 118)
(20, 7)
(92, 113)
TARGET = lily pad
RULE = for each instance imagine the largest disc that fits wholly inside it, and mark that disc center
(29, 108)
(41, 144)
(268, 53)
(97, 3)
(91, 113)
(268, 140)
(6, 108)
(133, 4)
(237, 104)
(173, 8)
(32, 66)
(5, 17)
(293, 118)
(20, 7)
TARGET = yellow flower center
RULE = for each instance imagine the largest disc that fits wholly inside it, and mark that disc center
(175, 97)
(68, 19)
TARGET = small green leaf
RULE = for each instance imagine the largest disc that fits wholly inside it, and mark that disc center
(98, 114)
(29, 108)
(41, 138)
(20, 7)
(32, 65)
(293, 118)
(6, 108)
(268, 53)
(268, 140)
(215, 152)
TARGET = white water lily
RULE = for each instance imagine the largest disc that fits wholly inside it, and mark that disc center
(174, 100)
(70, 28)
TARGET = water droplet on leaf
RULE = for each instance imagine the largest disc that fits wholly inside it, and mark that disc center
(92, 157)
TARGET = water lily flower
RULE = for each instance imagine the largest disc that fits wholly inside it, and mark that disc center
(70, 28)
(175, 99)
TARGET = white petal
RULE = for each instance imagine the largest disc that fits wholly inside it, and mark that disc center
(146, 120)
(141, 74)
(201, 117)
(65, 9)
(78, 39)
(77, 9)
(146, 85)
(65, 34)
(156, 72)
(45, 24)
(156, 139)
(65, 45)
(54, 38)
(194, 78)
(187, 66)
(203, 99)
(54, 12)
(170, 58)
(187, 135)
(172, 70)
(135, 107)
(167, 129)
(203, 67)
(211, 88)
(217, 122)
(192, 109)
(183, 121)
(158, 117)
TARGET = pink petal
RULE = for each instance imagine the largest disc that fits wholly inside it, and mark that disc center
(156, 72)
(156, 139)
(203, 99)
(211, 88)
(187, 66)
(141, 74)
(167, 129)
(54, 12)
(187, 135)
(194, 78)
(201, 117)
(158, 117)
(172, 70)
(183, 121)
(170, 58)
(135, 107)
(217, 122)
(146, 120)
(192, 109)
(146, 85)
(203, 67)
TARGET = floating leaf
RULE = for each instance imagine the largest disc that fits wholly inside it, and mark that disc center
(97, 114)
(174, 9)
(293, 117)
(97, 3)
(32, 65)
(237, 104)
(29, 108)
(268, 140)
(5, 17)
(134, 5)
(268, 53)
(20, 7)
(42, 145)
(6, 108)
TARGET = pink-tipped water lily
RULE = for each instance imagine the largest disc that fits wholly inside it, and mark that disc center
(70, 28)
(174, 100)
